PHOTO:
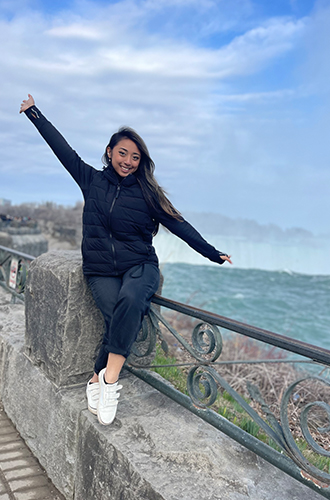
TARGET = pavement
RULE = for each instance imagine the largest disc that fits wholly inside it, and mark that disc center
(21, 475)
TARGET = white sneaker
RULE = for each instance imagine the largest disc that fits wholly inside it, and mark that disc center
(93, 393)
(108, 401)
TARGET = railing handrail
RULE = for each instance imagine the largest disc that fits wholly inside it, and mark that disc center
(16, 252)
(311, 351)
(315, 353)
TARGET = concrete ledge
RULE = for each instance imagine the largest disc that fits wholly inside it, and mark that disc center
(154, 450)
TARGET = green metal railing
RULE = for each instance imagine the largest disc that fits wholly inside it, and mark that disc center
(14, 267)
(204, 382)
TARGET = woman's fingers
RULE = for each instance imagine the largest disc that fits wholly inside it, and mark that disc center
(27, 103)
(227, 258)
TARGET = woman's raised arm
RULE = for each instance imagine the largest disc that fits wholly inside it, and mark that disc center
(80, 171)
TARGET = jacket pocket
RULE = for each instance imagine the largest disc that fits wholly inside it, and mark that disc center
(137, 271)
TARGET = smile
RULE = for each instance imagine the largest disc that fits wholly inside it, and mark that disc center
(125, 169)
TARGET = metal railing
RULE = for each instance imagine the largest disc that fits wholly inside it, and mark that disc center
(204, 383)
(14, 267)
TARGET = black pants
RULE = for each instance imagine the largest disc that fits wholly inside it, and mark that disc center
(123, 301)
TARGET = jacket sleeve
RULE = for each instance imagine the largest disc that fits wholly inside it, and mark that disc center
(188, 233)
(79, 170)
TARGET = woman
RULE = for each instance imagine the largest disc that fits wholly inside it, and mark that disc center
(124, 206)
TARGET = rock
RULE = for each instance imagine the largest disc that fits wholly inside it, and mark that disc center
(63, 325)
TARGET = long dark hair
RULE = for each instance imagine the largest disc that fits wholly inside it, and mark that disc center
(151, 190)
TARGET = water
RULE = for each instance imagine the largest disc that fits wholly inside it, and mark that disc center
(310, 257)
(292, 304)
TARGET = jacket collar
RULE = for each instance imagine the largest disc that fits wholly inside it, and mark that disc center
(112, 177)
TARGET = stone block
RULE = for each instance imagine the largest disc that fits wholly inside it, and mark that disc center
(63, 325)
(46, 417)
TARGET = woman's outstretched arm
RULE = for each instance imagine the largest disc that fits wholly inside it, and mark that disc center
(80, 171)
(193, 238)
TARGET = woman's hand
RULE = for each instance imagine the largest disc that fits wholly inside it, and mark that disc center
(227, 258)
(27, 104)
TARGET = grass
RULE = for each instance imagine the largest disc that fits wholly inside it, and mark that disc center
(175, 375)
(226, 406)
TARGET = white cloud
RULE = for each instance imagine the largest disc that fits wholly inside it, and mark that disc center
(97, 68)
(316, 65)
(260, 96)
(249, 53)
(76, 30)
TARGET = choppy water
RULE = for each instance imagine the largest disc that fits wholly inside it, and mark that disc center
(295, 305)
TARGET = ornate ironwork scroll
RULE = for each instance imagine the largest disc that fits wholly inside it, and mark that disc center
(204, 382)
(280, 433)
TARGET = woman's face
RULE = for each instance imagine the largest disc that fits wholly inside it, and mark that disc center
(125, 157)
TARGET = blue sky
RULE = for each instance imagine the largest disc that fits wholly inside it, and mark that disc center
(232, 99)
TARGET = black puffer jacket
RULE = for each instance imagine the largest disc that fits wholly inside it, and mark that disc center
(117, 221)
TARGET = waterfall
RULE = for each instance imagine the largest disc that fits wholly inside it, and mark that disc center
(311, 256)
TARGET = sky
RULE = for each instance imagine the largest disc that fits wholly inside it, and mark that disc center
(231, 97)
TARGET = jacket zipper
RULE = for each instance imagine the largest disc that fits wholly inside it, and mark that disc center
(110, 233)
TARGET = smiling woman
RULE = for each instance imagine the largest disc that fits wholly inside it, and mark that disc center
(124, 206)
(124, 157)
